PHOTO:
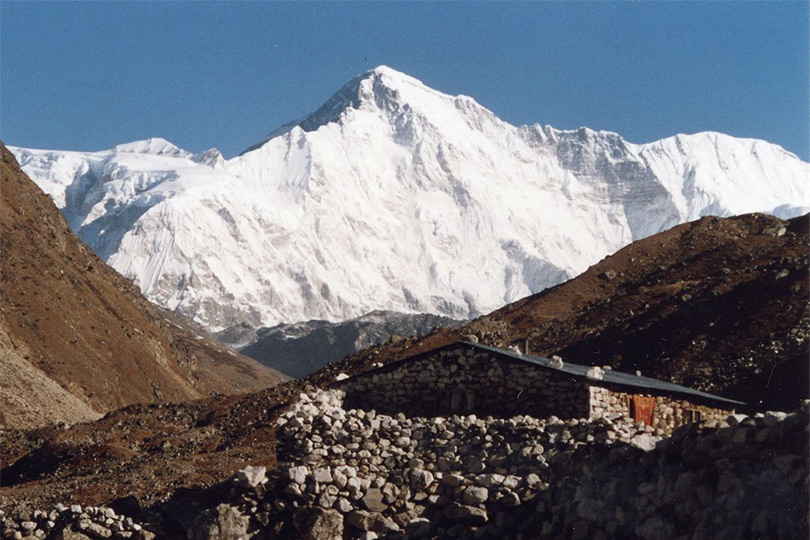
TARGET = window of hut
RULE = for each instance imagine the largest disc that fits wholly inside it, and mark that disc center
(456, 400)
(691, 416)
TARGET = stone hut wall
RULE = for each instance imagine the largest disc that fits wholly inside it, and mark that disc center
(464, 381)
(669, 412)
(468, 477)
(353, 474)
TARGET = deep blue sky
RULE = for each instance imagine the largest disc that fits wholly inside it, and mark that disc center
(88, 76)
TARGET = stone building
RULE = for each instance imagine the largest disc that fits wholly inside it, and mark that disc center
(469, 378)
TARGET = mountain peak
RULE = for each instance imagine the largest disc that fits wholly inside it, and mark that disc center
(382, 68)
(382, 87)
(155, 146)
(391, 76)
(408, 200)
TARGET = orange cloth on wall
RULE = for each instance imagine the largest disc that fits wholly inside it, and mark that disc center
(643, 408)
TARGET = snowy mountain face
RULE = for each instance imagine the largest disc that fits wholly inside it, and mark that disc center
(398, 197)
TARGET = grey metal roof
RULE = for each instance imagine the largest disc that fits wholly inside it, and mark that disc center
(610, 376)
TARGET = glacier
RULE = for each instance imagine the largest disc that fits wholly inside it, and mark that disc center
(394, 196)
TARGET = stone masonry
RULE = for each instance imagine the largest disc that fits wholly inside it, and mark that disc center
(668, 412)
(359, 474)
(523, 477)
(467, 380)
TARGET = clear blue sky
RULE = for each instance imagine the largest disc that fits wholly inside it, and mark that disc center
(88, 76)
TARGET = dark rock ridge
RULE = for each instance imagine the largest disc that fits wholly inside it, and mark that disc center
(301, 348)
(719, 305)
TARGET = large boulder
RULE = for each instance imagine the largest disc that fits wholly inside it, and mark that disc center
(224, 522)
(318, 523)
(468, 515)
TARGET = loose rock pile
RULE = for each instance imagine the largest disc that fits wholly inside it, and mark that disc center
(355, 474)
(75, 523)
(394, 473)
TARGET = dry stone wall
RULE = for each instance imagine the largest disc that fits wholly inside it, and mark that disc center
(76, 523)
(464, 381)
(523, 477)
(669, 413)
(357, 474)
(426, 476)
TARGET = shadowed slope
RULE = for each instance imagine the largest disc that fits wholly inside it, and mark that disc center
(720, 305)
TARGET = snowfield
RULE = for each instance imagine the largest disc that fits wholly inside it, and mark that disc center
(393, 196)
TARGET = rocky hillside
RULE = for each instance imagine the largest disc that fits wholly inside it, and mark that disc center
(145, 450)
(301, 348)
(77, 339)
(720, 305)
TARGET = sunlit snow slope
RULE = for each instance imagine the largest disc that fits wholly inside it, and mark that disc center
(395, 196)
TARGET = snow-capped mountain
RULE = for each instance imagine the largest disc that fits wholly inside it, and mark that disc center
(395, 196)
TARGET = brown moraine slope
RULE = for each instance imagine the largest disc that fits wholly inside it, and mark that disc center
(77, 339)
(719, 304)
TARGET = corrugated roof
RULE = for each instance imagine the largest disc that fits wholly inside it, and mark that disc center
(610, 376)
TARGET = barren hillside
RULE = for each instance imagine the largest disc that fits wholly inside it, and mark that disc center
(77, 339)
(720, 305)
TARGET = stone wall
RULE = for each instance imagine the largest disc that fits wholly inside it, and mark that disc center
(669, 413)
(523, 477)
(356, 474)
(74, 523)
(424, 477)
(464, 380)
